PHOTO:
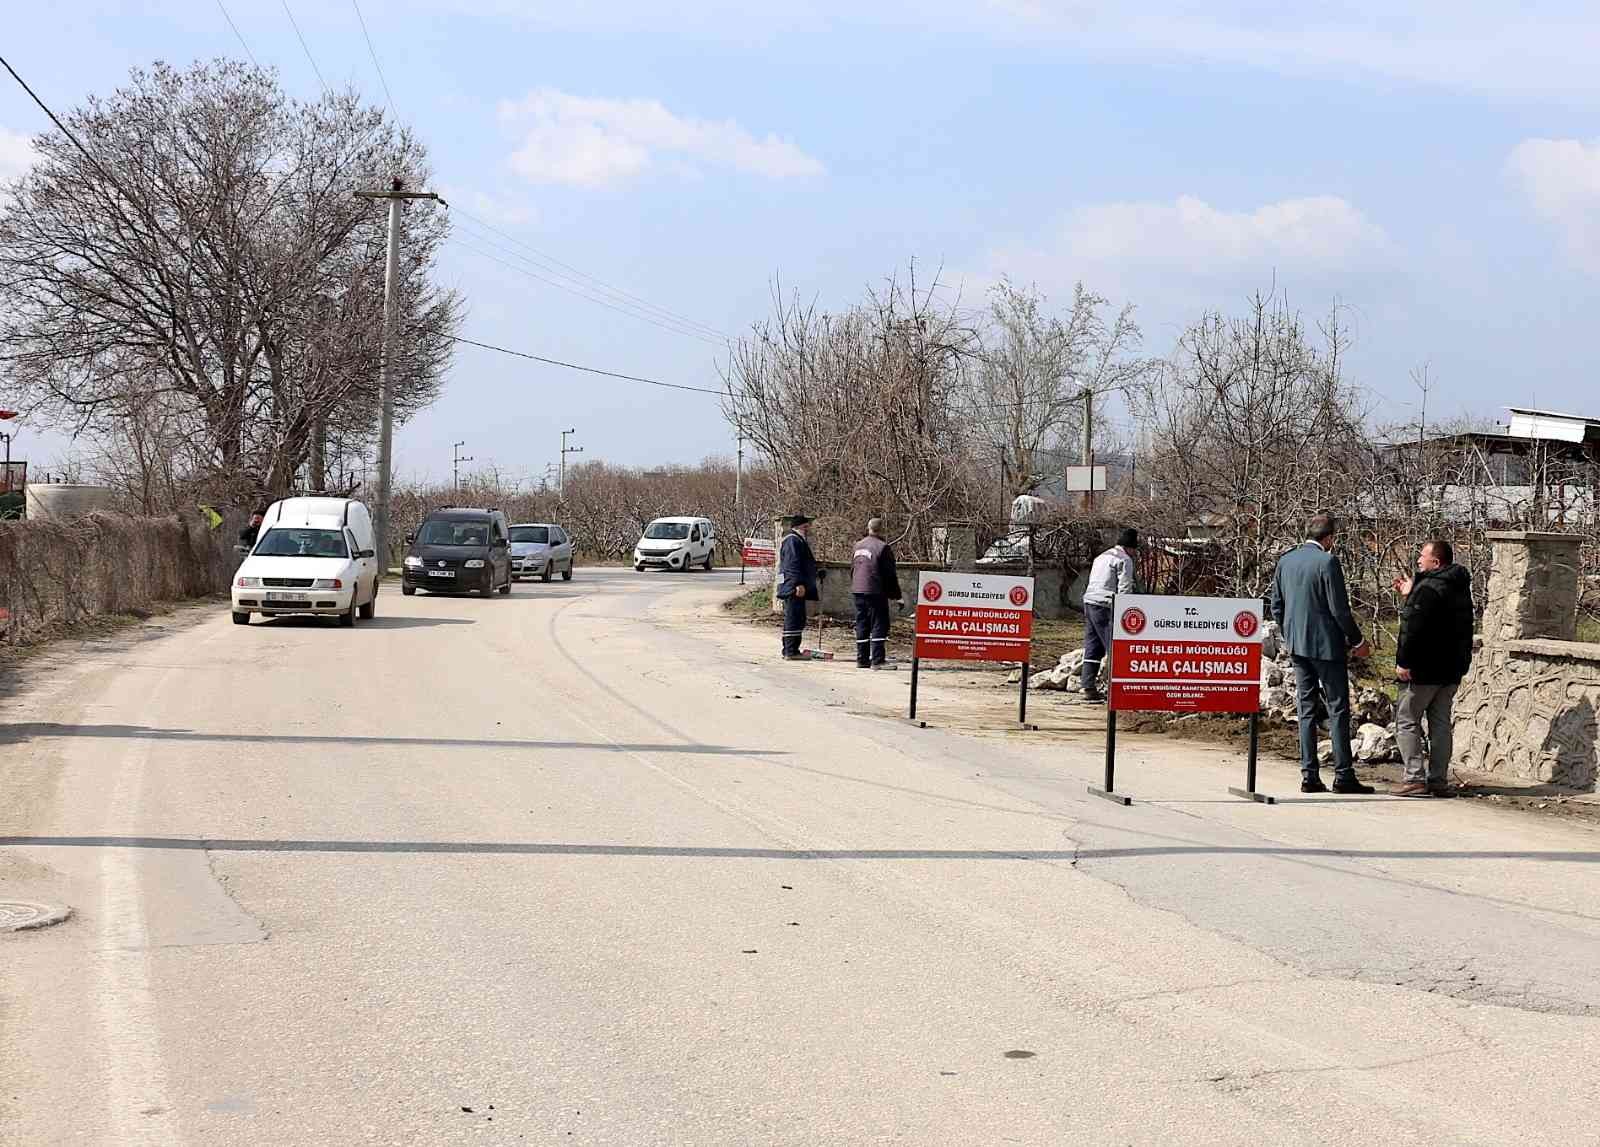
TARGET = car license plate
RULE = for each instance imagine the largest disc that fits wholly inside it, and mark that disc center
(286, 597)
(441, 573)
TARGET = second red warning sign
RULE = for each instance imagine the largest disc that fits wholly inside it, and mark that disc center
(974, 617)
(1175, 654)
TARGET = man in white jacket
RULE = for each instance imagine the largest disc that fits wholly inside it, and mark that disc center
(1111, 574)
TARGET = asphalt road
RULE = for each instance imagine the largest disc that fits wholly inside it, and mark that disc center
(580, 866)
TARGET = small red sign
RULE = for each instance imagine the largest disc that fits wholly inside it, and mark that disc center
(1134, 621)
(933, 591)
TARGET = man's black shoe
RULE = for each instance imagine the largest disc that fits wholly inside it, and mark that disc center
(1313, 787)
(1353, 787)
(1094, 698)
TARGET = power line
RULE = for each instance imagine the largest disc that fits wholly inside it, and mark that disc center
(66, 131)
(584, 369)
(655, 315)
(665, 325)
(236, 32)
(307, 48)
(556, 266)
(373, 52)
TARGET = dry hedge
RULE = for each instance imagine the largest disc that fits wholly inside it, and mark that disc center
(57, 574)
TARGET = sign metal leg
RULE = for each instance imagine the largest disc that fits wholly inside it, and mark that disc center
(1110, 791)
(916, 664)
(1022, 705)
(1249, 791)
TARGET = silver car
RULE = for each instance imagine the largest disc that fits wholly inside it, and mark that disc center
(541, 550)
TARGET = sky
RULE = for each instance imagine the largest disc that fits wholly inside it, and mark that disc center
(1433, 168)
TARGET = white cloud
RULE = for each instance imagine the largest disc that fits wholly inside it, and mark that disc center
(1178, 258)
(1317, 234)
(589, 142)
(1484, 45)
(1561, 178)
(16, 154)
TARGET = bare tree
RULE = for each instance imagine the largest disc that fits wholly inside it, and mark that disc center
(1035, 373)
(207, 253)
(858, 413)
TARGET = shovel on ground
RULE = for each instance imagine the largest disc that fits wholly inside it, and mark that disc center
(818, 654)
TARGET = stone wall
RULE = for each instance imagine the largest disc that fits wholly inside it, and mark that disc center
(1528, 707)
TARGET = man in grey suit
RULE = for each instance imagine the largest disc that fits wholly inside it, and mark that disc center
(1312, 609)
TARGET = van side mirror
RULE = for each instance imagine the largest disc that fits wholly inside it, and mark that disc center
(411, 539)
(367, 554)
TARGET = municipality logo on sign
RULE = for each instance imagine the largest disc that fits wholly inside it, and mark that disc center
(933, 591)
(1134, 621)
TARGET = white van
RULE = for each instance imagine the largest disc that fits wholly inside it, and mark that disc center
(311, 556)
(676, 544)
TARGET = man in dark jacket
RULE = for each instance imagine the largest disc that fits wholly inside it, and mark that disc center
(1433, 655)
(1312, 608)
(874, 581)
(797, 583)
(248, 535)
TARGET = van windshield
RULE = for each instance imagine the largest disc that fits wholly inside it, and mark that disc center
(444, 532)
(667, 531)
(281, 543)
(540, 534)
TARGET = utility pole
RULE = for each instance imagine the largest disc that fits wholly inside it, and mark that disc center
(561, 485)
(738, 474)
(396, 195)
(455, 464)
(1088, 448)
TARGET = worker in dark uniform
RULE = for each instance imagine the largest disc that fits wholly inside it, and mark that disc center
(875, 582)
(797, 583)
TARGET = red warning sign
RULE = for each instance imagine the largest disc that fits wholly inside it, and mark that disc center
(974, 617)
(1186, 654)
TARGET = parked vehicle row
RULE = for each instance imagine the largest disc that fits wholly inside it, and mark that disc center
(317, 557)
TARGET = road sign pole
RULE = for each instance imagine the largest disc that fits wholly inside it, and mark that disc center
(1110, 791)
(1022, 704)
(1249, 791)
(916, 664)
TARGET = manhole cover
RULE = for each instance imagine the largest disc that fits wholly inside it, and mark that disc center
(20, 915)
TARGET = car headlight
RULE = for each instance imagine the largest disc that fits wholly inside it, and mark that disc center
(327, 583)
(413, 562)
(475, 564)
(248, 582)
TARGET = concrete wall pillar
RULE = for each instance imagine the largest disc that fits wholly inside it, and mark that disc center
(1533, 587)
